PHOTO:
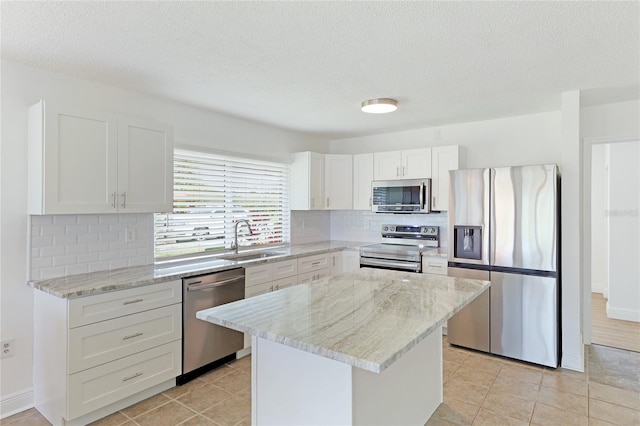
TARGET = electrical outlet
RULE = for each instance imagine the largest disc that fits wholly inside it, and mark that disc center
(7, 348)
(130, 234)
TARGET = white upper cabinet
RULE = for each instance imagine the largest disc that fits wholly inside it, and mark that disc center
(83, 161)
(145, 166)
(444, 158)
(406, 164)
(338, 179)
(362, 178)
(307, 181)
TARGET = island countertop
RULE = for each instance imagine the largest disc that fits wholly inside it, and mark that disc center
(367, 318)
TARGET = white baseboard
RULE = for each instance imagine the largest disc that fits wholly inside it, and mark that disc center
(16, 403)
(623, 314)
(597, 287)
(572, 362)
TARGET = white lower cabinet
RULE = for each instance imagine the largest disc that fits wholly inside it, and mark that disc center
(434, 265)
(105, 384)
(266, 278)
(95, 355)
(311, 277)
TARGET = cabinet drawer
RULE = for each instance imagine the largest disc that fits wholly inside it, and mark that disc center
(313, 263)
(257, 275)
(285, 269)
(258, 289)
(101, 307)
(311, 277)
(431, 265)
(105, 384)
(106, 341)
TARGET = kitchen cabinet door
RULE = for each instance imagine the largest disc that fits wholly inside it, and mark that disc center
(84, 161)
(145, 166)
(338, 179)
(72, 156)
(307, 181)
(444, 158)
(386, 165)
(416, 163)
(362, 178)
(406, 164)
(350, 260)
(337, 262)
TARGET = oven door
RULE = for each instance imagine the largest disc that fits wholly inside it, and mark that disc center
(394, 265)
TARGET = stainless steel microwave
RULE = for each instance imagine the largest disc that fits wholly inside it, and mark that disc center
(401, 196)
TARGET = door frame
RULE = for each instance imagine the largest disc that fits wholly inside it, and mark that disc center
(587, 145)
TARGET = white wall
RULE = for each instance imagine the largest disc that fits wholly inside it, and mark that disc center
(599, 220)
(601, 124)
(21, 87)
(525, 139)
(624, 232)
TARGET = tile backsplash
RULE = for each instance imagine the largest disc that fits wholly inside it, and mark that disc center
(363, 225)
(74, 244)
(310, 226)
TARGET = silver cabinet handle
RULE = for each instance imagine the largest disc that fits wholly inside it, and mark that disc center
(398, 171)
(128, 302)
(403, 173)
(133, 376)
(315, 263)
(277, 287)
(113, 199)
(271, 288)
(369, 201)
(124, 200)
(434, 201)
(131, 336)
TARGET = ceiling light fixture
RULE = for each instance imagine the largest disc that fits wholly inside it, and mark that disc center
(379, 106)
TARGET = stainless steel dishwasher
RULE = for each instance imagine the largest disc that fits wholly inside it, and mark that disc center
(203, 343)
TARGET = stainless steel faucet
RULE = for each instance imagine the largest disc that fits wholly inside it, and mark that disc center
(234, 244)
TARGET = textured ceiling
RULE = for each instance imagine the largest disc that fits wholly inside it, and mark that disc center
(307, 66)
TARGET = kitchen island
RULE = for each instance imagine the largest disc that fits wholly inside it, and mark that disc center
(360, 348)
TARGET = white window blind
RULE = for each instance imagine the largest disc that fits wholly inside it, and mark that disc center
(210, 193)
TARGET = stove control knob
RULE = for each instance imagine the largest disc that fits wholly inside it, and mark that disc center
(425, 230)
(393, 229)
(386, 228)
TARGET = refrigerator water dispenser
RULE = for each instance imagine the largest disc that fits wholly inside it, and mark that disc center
(467, 242)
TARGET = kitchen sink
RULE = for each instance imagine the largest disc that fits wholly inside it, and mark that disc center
(241, 257)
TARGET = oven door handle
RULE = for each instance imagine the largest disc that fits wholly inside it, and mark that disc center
(406, 266)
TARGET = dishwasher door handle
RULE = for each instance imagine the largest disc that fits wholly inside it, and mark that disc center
(192, 287)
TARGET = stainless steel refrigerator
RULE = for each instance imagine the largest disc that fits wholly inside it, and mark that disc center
(504, 227)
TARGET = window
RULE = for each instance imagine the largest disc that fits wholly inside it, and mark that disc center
(210, 193)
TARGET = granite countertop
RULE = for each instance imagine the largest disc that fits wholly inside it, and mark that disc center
(367, 318)
(118, 279)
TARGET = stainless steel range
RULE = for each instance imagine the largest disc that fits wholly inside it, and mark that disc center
(402, 249)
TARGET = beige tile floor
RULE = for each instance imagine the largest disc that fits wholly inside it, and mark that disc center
(478, 389)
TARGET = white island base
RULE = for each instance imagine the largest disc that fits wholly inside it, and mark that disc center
(294, 387)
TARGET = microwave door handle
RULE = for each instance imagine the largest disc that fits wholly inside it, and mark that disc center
(422, 196)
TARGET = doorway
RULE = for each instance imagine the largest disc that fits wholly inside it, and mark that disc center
(614, 244)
